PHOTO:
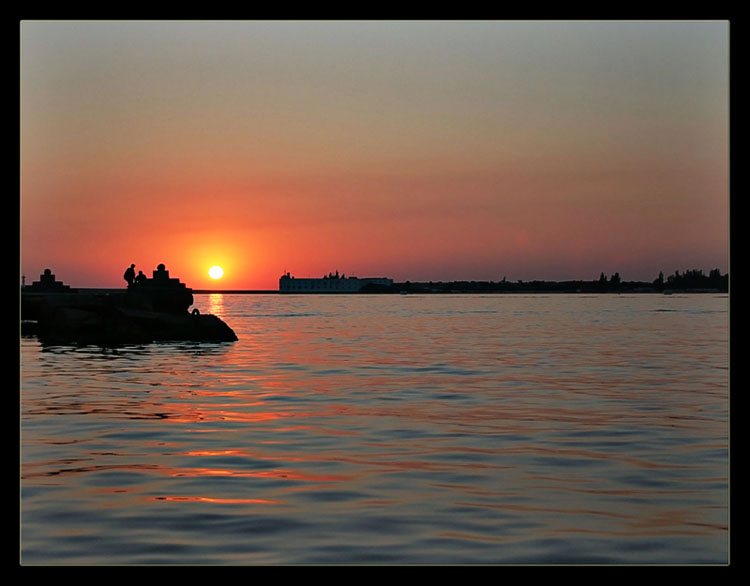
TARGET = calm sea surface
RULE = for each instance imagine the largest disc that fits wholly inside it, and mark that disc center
(444, 429)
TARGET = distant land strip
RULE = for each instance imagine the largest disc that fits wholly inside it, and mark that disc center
(691, 281)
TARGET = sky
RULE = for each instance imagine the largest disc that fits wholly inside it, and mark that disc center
(416, 150)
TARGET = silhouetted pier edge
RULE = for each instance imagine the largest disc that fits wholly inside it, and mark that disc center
(148, 310)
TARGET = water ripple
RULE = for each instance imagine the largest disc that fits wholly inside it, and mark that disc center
(373, 429)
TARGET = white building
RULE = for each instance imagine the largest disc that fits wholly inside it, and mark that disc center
(332, 283)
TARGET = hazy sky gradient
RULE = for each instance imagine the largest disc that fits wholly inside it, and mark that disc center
(412, 149)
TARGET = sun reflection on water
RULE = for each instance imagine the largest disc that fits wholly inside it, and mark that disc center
(216, 305)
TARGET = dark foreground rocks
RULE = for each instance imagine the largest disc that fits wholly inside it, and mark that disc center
(114, 326)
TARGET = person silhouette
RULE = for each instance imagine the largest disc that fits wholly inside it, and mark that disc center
(141, 278)
(129, 275)
(161, 274)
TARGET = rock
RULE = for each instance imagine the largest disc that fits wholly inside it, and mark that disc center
(113, 326)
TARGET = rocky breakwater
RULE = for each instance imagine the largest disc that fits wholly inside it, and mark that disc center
(155, 310)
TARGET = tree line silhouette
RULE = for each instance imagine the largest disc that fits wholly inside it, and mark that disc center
(693, 280)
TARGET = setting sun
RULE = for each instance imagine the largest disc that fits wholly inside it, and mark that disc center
(216, 272)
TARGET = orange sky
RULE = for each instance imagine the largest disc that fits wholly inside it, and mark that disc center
(416, 150)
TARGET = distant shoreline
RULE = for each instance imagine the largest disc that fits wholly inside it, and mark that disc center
(693, 281)
(690, 281)
(530, 292)
(107, 291)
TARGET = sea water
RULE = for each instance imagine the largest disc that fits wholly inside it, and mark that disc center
(388, 429)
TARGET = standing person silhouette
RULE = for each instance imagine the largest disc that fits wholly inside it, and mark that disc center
(129, 275)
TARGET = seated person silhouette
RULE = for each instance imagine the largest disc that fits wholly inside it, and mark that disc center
(141, 278)
(161, 273)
